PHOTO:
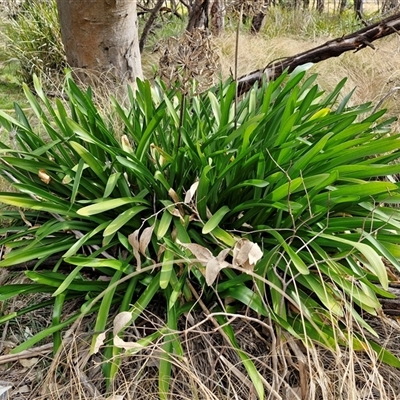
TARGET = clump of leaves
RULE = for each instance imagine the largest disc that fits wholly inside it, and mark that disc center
(33, 37)
(274, 203)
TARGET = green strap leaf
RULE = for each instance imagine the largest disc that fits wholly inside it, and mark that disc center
(213, 222)
(106, 205)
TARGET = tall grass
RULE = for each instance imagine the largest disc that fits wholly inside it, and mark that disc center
(33, 37)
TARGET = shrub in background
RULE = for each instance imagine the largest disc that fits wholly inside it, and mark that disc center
(33, 37)
(274, 203)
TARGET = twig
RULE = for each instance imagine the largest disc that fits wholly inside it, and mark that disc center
(33, 352)
(149, 23)
(388, 94)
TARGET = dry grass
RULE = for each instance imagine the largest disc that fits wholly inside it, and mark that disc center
(374, 73)
(211, 370)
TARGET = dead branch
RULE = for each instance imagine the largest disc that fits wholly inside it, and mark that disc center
(333, 48)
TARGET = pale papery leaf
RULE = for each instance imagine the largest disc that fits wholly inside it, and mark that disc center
(175, 212)
(191, 192)
(222, 254)
(125, 144)
(120, 321)
(29, 362)
(4, 390)
(213, 268)
(202, 254)
(145, 238)
(215, 265)
(99, 342)
(118, 342)
(255, 254)
(240, 252)
(246, 254)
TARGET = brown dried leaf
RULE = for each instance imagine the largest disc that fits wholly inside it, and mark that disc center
(145, 238)
(212, 270)
(120, 321)
(173, 195)
(246, 254)
(202, 254)
(133, 239)
(215, 265)
(222, 254)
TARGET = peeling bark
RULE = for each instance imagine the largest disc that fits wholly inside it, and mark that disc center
(334, 48)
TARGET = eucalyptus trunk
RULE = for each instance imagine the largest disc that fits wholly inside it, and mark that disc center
(101, 36)
(217, 17)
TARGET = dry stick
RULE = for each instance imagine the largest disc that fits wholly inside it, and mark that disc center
(381, 101)
(302, 362)
(333, 48)
(35, 351)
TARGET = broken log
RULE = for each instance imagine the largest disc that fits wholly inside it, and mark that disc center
(333, 48)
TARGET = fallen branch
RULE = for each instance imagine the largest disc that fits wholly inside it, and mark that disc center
(33, 352)
(333, 48)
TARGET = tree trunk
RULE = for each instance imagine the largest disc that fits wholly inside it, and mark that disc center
(198, 15)
(358, 9)
(101, 36)
(342, 6)
(217, 13)
(258, 22)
